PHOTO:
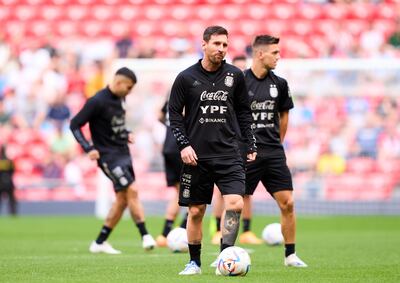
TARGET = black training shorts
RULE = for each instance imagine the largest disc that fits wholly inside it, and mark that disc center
(173, 167)
(273, 173)
(197, 182)
(118, 169)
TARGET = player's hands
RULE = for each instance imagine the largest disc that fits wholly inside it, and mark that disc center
(189, 156)
(131, 138)
(93, 154)
(251, 156)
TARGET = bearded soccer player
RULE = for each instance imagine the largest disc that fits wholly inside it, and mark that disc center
(105, 113)
(213, 95)
(270, 102)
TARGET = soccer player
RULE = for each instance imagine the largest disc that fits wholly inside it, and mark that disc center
(173, 167)
(270, 102)
(214, 97)
(247, 237)
(105, 113)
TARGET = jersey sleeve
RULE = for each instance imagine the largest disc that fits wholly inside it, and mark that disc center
(285, 101)
(175, 109)
(81, 118)
(243, 113)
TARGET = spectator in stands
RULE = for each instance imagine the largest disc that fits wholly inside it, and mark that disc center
(58, 112)
(7, 187)
(5, 116)
(330, 163)
(95, 81)
(124, 45)
(367, 137)
(394, 37)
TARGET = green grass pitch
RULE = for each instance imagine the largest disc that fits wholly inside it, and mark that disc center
(337, 249)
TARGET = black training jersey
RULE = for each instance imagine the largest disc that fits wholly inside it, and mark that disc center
(105, 113)
(170, 146)
(268, 97)
(212, 102)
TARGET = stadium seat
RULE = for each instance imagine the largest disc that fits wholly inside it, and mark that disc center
(25, 12)
(361, 165)
(76, 12)
(362, 11)
(52, 13)
(66, 28)
(5, 13)
(153, 12)
(256, 11)
(101, 12)
(309, 11)
(283, 11)
(181, 12)
(128, 13)
(335, 11)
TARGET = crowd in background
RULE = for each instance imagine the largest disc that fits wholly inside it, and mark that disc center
(44, 81)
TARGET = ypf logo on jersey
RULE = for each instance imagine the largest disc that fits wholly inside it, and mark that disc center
(273, 91)
(229, 80)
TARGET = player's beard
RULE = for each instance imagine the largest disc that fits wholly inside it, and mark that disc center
(216, 59)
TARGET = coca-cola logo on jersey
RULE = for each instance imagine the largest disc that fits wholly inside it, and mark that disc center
(264, 105)
(219, 95)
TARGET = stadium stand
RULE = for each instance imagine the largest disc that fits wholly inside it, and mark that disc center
(50, 47)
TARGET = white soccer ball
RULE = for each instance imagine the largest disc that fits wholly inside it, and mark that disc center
(177, 240)
(233, 261)
(272, 234)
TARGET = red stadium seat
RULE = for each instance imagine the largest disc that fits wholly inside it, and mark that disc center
(5, 13)
(283, 11)
(362, 11)
(181, 12)
(25, 12)
(154, 12)
(101, 12)
(76, 12)
(51, 12)
(232, 12)
(386, 11)
(66, 28)
(128, 13)
(256, 11)
(40, 28)
(335, 11)
(361, 165)
(309, 11)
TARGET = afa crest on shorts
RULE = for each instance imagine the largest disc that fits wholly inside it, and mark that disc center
(273, 91)
(229, 80)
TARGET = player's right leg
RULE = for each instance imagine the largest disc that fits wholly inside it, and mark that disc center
(248, 237)
(137, 213)
(194, 229)
(218, 208)
(100, 245)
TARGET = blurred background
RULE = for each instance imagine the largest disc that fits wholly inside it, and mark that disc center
(341, 59)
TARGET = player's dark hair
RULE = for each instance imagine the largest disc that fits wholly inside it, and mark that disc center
(213, 30)
(126, 72)
(265, 39)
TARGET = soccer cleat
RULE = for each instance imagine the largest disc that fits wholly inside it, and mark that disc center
(104, 247)
(216, 239)
(214, 263)
(249, 238)
(148, 242)
(191, 269)
(161, 241)
(295, 261)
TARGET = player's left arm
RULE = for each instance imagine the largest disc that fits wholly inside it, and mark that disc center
(285, 104)
(283, 124)
(243, 113)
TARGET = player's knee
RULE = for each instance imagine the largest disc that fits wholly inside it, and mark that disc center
(288, 206)
(235, 204)
(196, 212)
